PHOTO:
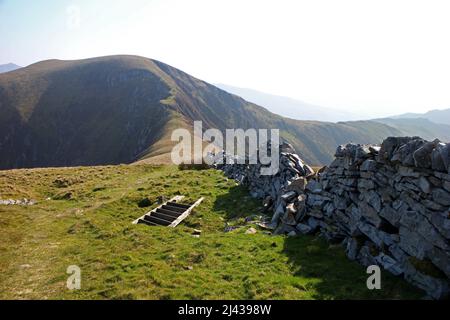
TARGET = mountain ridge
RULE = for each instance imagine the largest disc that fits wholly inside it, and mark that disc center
(290, 107)
(422, 127)
(441, 116)
(122, 109)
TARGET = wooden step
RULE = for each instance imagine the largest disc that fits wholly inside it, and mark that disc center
(186, 213)
(178, 205)
(163, 216)
(173, 208)
(149, 223)
(157, 220)
(169, 212)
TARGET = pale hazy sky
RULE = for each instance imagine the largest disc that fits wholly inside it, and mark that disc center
(374, 57)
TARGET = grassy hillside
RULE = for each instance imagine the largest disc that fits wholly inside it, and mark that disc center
(83, 217)
(122, 109)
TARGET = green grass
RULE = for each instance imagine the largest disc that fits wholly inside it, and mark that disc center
(91, 227)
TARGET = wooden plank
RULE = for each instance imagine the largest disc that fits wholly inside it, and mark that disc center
(174, 199)
(186, 213)
(179, 205)
(156, 220)
(168, 212)
(163, 216)
(149, 223)
(172, 208)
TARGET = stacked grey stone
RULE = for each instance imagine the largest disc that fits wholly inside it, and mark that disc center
(279, 190)
(389, 206)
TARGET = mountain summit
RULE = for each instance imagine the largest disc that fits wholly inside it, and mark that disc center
(436, 116)
(121, 109)
(8, 67)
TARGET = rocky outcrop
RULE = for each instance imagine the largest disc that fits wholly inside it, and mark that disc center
(387, 205)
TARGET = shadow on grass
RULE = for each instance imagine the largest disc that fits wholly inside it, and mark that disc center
(334, 276)
(324, 269)
(237, 203)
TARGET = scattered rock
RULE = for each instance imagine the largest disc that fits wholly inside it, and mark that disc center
(22, 202)
(267, 204)
(161, 199)
(144, 203)
(292, 234)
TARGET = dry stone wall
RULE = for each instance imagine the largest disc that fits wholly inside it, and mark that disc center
(276, 190)
(388, 205)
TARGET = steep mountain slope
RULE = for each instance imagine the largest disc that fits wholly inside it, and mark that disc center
(419, 127)
(436, 116)
(97, 111)
(8, 67)
(121, 109)
(289, 107)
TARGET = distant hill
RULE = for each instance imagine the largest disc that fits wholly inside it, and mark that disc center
(289, 107)
(419, 127)
(437, 116)
(122, 109)
(8, 67)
